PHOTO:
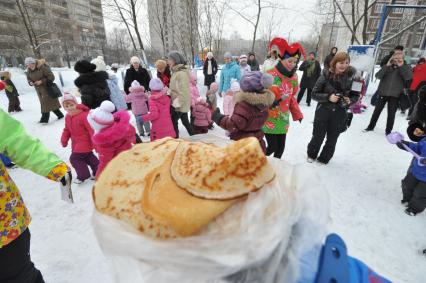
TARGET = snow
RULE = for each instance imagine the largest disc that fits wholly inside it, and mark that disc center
(363, 181)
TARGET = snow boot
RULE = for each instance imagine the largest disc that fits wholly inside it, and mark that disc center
(410, 211)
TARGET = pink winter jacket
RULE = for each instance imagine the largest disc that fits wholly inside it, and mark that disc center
(78, 129)
(159, 115)
(202, 114)
(138, 98)
(195, 94)
(111, 141)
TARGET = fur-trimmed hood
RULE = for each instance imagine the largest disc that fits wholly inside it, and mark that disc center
(265, 98)
(91, 78)
(118, 131)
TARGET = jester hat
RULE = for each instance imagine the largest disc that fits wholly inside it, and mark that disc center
(285, 50)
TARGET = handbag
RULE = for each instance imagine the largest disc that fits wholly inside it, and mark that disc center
(374, 98)
(404, 101)
(53, 90)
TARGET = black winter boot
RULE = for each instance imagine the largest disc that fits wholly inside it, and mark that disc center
(44, 118)
(59, 114)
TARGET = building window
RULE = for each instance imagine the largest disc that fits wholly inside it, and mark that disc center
(61, 3)
(374, 24)
(418, 40)
(423, 24)
(398, 10)
(378, 8)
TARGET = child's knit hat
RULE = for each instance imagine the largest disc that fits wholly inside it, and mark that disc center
(136, 87)
(68, 97)
(255, 81)
(214, 86)
(155, 84)
(100, 64)
(101, 117)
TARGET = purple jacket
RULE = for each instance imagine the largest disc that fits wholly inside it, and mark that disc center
(138, 98)
(202, 114)
(159, 115)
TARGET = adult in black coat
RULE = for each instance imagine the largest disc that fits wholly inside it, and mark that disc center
(329, 57)
(136, 73)
(311, 71)
(385, 60)
(335, 93)
(92, 85)
(209, 70)
(252, 61)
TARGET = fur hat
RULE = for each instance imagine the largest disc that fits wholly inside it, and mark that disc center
(136, 87)
(176, 57)
(210, 55)
(421, 60)
(100, 63)
(30, 60)
(286, 51)
(214, 86)
(114, 66)
(155, 84)
(2, 85)
(255, 81)
(68, 97)
(83, 67)
(160, 64)
(101, 117)
(227, 55)
(235, 86)
(135, 59)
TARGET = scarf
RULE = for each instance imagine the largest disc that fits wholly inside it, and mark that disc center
(283, 70)
(311, 68)
(209, 68)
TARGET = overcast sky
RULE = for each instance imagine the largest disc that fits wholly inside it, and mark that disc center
(295, 20)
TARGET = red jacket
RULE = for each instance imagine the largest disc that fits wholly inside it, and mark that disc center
(78, 129)
(159, 115)
(419, 75)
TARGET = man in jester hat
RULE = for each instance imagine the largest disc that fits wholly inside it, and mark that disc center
(285, 86)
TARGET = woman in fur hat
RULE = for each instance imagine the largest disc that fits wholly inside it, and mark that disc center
(40, 76)
(209, 70)
(285, 88)
(92, 85)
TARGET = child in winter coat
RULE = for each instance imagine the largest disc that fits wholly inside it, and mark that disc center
(414, 183)
(159, 111)
(228, 99)
(138, 98)
(251, 108)
(113, 132)
(11, 93)
(211, 96)
(78, 129)
(202, 116)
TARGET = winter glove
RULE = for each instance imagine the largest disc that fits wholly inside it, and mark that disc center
(217, 116)
(300, 121)
(401, 144)
(66, 192)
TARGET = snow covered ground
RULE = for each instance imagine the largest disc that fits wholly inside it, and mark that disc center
(363, 182)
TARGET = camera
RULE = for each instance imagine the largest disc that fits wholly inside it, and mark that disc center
(342, 103)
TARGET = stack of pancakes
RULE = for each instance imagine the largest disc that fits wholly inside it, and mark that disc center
(174, 188)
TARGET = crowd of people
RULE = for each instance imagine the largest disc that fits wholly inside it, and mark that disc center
(257, 102)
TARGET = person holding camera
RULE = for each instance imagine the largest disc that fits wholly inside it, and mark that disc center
(335, 91)
(394, 76)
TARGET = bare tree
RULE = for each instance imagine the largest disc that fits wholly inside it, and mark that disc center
(253, 18)
(160, 16)
(127, 12)
(357, 19)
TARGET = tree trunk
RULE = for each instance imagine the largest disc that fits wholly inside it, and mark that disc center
(30, 33)
(126, 24)
(365, 23)
(259, 10)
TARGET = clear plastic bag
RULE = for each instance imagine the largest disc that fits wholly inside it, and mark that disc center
(250, 242)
